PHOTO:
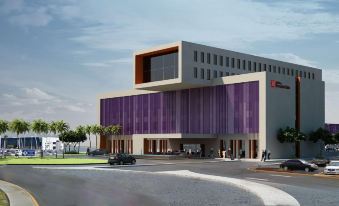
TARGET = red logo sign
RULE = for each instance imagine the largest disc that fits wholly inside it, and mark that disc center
(275, 84)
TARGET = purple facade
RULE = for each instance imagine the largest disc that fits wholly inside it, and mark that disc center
(223, 109)
(333, 128)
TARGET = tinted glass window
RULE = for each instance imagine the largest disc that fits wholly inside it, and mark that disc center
(161, 67)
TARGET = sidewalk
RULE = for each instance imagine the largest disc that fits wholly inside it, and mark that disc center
(17, 195)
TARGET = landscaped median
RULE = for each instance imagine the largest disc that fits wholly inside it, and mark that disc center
(3, 199)
(273, 168)
(50, 161)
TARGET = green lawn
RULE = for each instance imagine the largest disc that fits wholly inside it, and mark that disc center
(3, 199)
(48, 160)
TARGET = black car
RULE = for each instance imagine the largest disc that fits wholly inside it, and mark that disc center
(121, 159)
(298, 164)
(98, 152)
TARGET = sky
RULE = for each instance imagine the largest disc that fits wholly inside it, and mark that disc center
(57, 56)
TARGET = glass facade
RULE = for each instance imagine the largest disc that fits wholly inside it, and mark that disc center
(160, 67)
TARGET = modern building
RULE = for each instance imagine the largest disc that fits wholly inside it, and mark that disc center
(213, 99)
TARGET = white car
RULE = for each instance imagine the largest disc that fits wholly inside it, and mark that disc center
(332, 168)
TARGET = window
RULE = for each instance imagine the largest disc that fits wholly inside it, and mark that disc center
(304, 74)
(202, 57)
(221, 60)
(270, 68)
(215, 59)
(279, 70)
(301, 73)
(238, 63)
(233, 74)
(160, 67)
(233, 62)
(221, 74)
(227, 73)
(208, 58)
(255, 66)
(265, 69)
(309, 75)
(215, 74)
(296, 73)
(227, 62)
(244, 64)
(249, 63)
(195, 72)
(202, 73)
(195, 56)
(288, 71)
(208, 74)
(274, 69)
(283, 70)
(292, 72)
(259, 67)
(312, 75)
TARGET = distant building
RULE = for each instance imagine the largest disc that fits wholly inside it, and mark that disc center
(186, 93)
(46, 143)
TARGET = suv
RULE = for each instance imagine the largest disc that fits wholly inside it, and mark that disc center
(121, 159)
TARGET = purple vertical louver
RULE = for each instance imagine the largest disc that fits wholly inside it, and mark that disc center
(223, 109)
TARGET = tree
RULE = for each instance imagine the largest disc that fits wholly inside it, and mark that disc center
(61, 126)
(336, 138)
(19, 126)
(290, 135)
(113, 130)
(39, 127)
(97, 130)
(80, 130)
(3, 129)
(80, 137)
(88, 130)
(322, 135)
(67, 137)
(53, 127)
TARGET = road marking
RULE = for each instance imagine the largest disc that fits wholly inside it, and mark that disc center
(280, 176)
(253, 178)
(268, 194)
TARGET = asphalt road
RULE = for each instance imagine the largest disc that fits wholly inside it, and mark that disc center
(92, 187)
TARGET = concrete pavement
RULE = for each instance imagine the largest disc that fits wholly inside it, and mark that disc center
(17, 195)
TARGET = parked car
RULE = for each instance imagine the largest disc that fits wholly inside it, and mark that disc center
(121, 159)
(98, 152)
(298, 164)
(332, 168)
(320, 162)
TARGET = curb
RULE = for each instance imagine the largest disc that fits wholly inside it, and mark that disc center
(56, 164)
(17, 195)
(320, 175)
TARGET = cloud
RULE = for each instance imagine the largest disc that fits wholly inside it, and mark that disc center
(9, 6)
(37, 94)
(33, 17)
(34, 103)
(232, 23)
(290, 57)
(108, 63)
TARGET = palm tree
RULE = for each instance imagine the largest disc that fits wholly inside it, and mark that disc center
(60, 127)
(88, 130)
(39, 127)
(53, 127)
(97, 130)
(80, 130)
(113, 130)
(18, 126)
(3, 129)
